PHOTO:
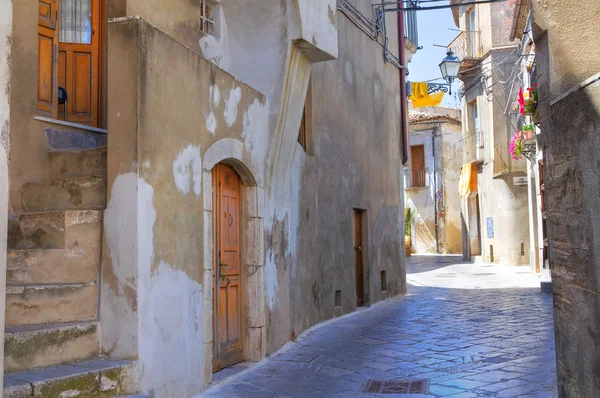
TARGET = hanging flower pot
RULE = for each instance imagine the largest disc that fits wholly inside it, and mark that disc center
(528, 132)
(516, 145)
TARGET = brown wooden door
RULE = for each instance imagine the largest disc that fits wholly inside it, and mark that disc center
(358, 259)
(417, 153)
(227, 314)
(78, 59)
(47, 96)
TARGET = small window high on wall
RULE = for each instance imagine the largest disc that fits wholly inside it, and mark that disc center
(69, 60)
(306, 127)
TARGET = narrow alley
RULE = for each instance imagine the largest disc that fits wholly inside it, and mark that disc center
(468, 330)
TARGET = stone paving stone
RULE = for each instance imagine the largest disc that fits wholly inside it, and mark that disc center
(468, 342)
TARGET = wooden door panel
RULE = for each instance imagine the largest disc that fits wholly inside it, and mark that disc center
(358, 259)
(82, 74)
(47, 95)
(228, 334)
(82, 84)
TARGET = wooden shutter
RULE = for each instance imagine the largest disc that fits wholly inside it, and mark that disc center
(47, 96)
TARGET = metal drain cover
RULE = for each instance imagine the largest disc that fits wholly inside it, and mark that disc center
(406, 386)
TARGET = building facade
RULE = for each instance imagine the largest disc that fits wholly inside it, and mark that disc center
(188, 191)
(431, 180)
(495, 211)
(568, 81)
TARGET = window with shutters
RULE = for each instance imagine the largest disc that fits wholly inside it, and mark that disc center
(69, 60)
(305, 133)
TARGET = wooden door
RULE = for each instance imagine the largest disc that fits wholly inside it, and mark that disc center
(227, 314)
(78, 60)
(418, 165)
(358, 259)
(47, 95)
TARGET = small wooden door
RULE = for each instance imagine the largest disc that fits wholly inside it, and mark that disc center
(417, 153)
(358, 258)
(78, 60)
(227, 309)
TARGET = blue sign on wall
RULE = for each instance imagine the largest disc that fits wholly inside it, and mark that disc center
(490, 227)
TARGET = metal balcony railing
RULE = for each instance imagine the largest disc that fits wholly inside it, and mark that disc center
(467, 48)
(504, 162)
(410, 24)
(416, 178)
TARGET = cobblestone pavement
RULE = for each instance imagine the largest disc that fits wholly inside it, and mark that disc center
(466, 339)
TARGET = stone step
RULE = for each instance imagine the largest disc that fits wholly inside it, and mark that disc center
(77, 262)
(80, 193)
(73, 230)
(36, 346)
(78, 163)
(91, 378)
(40, 304)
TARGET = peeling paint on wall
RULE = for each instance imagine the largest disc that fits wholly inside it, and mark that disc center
(211, 123)
(120, 280)
(187, 170)
(231, 106)
(170, 312)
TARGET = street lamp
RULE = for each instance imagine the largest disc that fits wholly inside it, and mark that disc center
(450, 67)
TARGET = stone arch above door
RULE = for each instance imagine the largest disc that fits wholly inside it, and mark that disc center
(231, 152)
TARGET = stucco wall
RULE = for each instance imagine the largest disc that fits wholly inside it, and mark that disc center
(303, 202)
(570, 123)
(451, 164)
(157, 275)
(356, 164)
(448, 161)
(6, 25)
(499, 199)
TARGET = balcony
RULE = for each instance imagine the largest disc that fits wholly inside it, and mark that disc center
(411, 32)
(415, 178)
(504, 163)
(467, 48)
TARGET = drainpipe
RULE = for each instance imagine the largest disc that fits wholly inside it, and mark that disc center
(403, 99)
(435, 203)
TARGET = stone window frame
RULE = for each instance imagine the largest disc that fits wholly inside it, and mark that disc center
(231, 152)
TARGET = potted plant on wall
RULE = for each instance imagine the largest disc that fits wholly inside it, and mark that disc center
(408, 217)
(528, 131)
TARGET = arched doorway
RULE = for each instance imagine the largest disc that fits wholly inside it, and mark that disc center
(228, 282)
(229, 155)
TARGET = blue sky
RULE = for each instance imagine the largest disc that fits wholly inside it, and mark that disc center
(434, 28)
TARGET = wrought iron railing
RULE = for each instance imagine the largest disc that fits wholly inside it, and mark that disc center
(416, 178)
(466, 46)
(504, 162)
(410, 24)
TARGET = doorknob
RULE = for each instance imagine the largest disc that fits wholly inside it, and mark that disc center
(357, 248)
(222, 265)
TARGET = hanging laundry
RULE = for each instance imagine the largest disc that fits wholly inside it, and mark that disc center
(420, 96)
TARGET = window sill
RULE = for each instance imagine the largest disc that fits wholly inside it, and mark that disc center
(70, 124)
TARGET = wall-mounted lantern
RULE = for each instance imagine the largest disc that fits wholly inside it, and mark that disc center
(449, 67)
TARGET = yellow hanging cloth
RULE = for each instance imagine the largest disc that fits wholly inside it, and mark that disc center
(464, 184)
(420, 97)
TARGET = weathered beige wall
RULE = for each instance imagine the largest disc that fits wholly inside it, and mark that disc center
(451, 164)
(567, 56)
(498, 197)
(157, 279)
(6, 26)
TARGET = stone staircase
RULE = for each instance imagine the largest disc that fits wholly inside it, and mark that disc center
(51, 340)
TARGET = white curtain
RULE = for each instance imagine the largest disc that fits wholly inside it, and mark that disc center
(75, 25)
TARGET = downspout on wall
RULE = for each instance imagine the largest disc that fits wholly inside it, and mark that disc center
(403, 99)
